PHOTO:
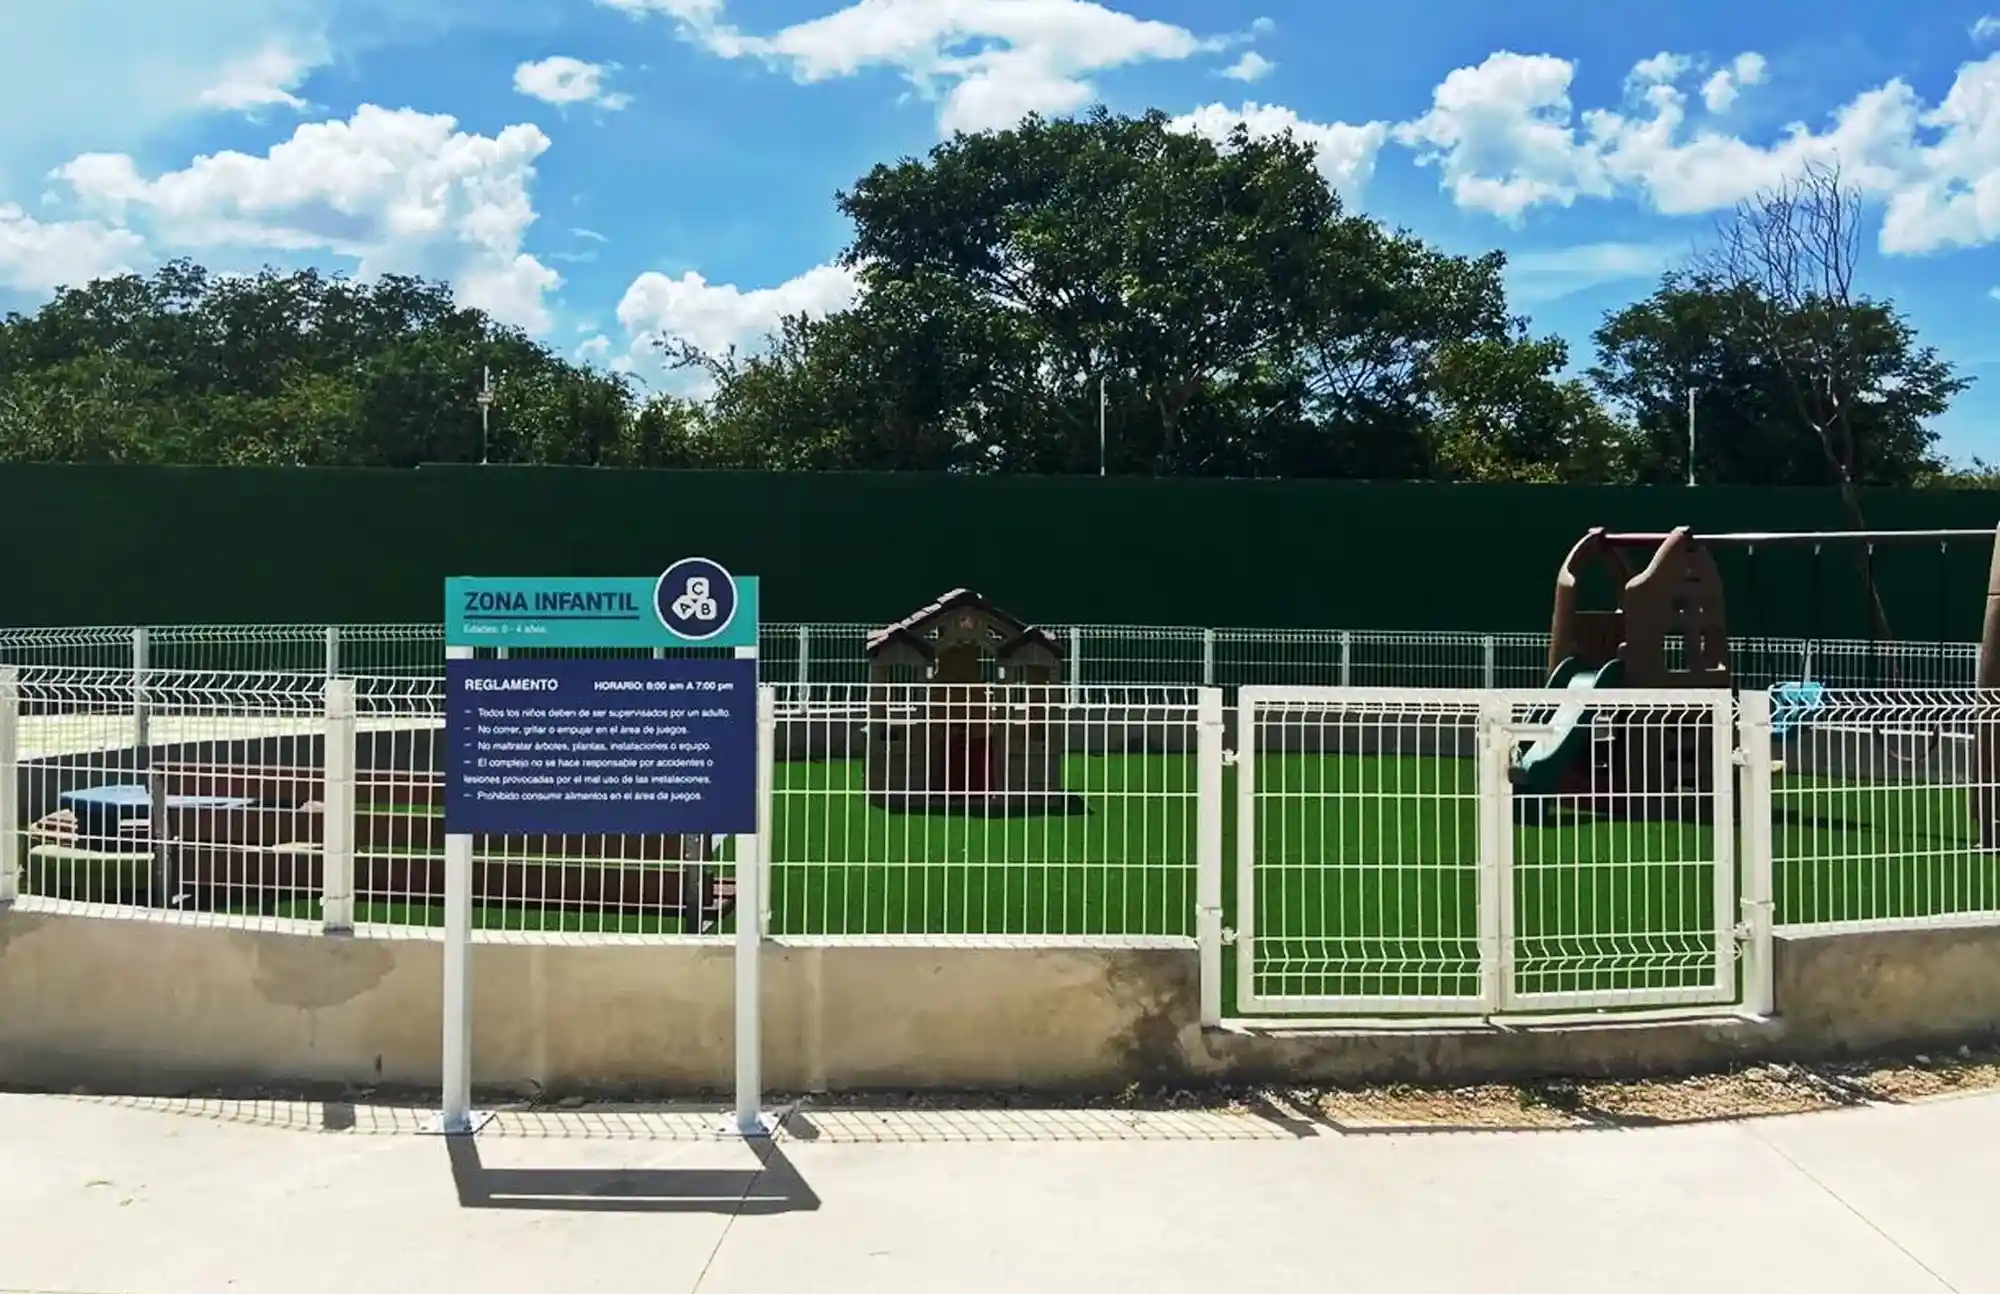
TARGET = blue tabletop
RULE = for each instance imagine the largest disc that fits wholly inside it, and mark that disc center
(128, 795)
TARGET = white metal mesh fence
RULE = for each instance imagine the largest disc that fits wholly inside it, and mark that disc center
(583, 885)
(1619, 882)
(1885, 809)
(188, 796)
(1461, 851)
(1096, 654)
(1361, 834)
(983, 811)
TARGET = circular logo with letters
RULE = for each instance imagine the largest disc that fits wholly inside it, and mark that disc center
(695, 598)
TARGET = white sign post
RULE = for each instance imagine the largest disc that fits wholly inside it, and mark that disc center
(695, 604)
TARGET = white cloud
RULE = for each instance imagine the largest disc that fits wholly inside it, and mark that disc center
(1502, 135)
(1251, 67)
(1661, 69)
(563, 80)
(691, 11)
(1719, 92)
(716, 316)
(1545, 275)
(1953, 199)
(38, 256)
(1986, 28)
(1505, 139)
(991, 62)
(1345, 154)
(397, 191)
(265, 78)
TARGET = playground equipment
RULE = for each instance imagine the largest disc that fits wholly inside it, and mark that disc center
(974, 738)
(1669, 629)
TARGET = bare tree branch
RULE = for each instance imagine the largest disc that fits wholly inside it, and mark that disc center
(1788, 256)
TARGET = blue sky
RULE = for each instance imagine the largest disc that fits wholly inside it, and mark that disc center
(602, 172)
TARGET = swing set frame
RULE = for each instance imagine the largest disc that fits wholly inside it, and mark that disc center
(1677, 595)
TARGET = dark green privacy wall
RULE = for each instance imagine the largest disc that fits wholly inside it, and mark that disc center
(101, 545)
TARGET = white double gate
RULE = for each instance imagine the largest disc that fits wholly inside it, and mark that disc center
(1449, 852)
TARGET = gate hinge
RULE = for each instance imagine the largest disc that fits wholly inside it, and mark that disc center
(1228, 935)
(1229, 758)
(1739, 757)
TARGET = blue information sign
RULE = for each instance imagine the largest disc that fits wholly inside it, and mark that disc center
(696, 603)
(601, 746)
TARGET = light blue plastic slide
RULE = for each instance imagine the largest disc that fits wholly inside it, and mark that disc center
(1540, 768)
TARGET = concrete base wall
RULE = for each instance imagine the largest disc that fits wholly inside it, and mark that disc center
(133, 1005)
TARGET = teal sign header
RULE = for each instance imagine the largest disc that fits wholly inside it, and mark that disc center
(696, 603)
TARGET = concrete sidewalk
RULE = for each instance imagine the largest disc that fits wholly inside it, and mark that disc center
(108, 1197)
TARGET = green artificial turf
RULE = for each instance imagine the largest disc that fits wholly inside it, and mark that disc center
(841, 866)
(1848, 851)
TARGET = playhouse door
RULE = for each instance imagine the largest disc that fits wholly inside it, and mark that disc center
(972, 770)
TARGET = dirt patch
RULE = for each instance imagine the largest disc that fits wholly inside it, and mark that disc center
(1921, 1077)
(1752, 1092)
(1758, 1091)
(1490, 1106)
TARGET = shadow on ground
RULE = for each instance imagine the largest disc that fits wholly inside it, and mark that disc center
(773, 1187)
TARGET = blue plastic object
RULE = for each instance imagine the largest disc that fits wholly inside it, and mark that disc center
(100, 809)
(1793, 705)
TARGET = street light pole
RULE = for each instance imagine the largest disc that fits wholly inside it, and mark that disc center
(485, 399)
(1690, 437)
(1100, 425)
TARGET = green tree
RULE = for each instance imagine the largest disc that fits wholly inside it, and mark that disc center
(182, 366)
(1112, 289)
(1711, 337)
(1505, 413)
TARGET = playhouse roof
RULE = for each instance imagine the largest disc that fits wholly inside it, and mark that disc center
(910, 629)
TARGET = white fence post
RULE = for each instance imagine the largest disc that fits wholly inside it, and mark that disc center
(1488, 670)
(805, 654)
(337, 804)
(1496, 839)
(1208, 658)
(752, 909)
(1246, 847)
(1754, 736)
(10, 784)
(333, 651)
(1208, 850)
(1075, 670)
(456, 1116)
(165, 883)
(142, 736)
(1346, 658)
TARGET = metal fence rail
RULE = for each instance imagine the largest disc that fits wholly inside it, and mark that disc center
(186, 796)
(994, 812)
(1097, 654)
(910, 812)
(1363, 821)
(1876, 810)
(1471, 851)
(586, 885)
